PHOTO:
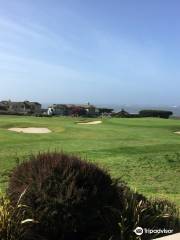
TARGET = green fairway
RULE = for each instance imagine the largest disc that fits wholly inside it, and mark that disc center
(141, 151)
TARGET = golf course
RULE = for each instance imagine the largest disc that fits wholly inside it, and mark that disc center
(144, 152)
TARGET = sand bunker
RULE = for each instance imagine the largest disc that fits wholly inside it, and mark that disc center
(30, 130)
(90, 123)
(177, 132)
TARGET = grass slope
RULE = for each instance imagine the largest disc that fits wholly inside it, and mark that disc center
(141, 151)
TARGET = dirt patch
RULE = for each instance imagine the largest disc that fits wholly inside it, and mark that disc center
(30, 130)
(90, 123)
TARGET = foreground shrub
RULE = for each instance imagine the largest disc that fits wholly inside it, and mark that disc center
(74, 199)
(14, 220)
(71, 199)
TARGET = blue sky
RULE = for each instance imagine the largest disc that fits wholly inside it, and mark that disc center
(98, 51)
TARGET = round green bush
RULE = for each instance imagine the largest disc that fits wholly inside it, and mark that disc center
(71, 198)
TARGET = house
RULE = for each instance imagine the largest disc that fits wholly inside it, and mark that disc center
(32, 107)
(16, 107)
(91, 110)
(122, 113)
(72, 110)
(105, 111)
(4, 106)
(57, 109)
(26, 107)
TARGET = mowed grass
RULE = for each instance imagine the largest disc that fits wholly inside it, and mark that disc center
(143, 152)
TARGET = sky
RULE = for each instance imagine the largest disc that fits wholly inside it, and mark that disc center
(97, 51)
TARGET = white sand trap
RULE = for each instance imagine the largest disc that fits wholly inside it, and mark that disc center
(177, 132)
(90, 123)
(30, 130)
